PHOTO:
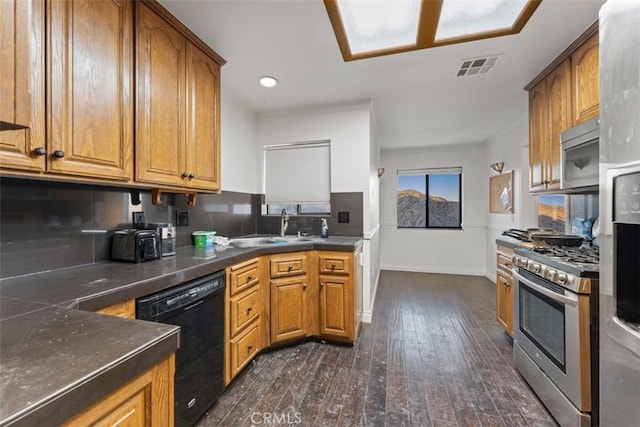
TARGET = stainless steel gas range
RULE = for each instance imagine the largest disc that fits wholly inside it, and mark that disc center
(556, 329)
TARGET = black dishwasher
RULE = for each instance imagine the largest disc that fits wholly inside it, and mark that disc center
(198, 308)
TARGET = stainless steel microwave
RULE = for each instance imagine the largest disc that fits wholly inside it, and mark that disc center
(580, 158)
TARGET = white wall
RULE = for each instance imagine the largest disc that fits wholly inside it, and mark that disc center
(354, 162)
(371, 249)
(510, 147)
(430, 250)
(238, 135)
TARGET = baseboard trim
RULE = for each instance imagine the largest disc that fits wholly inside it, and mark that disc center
(431, 269)
(367, 315)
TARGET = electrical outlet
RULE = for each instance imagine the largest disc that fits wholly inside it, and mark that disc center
(138, 220)
(343, 217)
(182, 219)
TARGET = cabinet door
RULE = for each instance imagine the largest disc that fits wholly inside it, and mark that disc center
(585, 73)
(160, 105)
(22, 84)
(336, 306)
(203, 114)
(289, 308)
(559, 96)
(147, 400)
(90, 104)
(538, 135)
(504, 301)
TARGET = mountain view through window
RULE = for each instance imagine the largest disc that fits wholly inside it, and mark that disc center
(429, 200)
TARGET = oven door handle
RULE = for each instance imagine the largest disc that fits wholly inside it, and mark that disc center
(570, 299)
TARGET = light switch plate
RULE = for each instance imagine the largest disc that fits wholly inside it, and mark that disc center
(182, 219)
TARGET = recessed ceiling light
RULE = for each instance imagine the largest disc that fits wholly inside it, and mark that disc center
(268, 81)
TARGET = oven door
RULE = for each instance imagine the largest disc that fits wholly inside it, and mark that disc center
(551, 324)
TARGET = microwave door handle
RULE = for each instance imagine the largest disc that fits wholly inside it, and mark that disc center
(571, 300)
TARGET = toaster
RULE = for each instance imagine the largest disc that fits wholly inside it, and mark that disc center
(135, 245)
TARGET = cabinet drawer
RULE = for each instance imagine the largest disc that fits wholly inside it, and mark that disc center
(334, 264)
(503, 260)
(244, 276)
(290, 265)
(244, 309)
(244, 348)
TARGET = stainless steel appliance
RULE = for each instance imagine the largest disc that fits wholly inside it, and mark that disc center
(556, 329)
(198, 308)
(167, 233)
(135, 245)
(579, 158)
(620, 213)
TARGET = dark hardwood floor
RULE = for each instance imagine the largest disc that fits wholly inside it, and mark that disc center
(433, 356)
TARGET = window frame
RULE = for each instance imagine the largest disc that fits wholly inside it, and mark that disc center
(298, 211)
(426, 173)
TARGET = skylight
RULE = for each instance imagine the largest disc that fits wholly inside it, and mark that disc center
(379, 24)
(466, 17)
(368, 28)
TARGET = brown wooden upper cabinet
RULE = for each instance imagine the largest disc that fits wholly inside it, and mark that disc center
(585, 74)
(77, 58)
(563, 95)
(178, 107)
(22, 85)
(89, 98)
(89, 80)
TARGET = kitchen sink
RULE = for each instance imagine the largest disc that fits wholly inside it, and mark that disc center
(252, 242)
(293, 239)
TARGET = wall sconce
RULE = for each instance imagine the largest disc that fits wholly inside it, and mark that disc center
(498, 166)
(380, 172)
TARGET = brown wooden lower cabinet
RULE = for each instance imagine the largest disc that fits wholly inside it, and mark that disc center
(504, 289)
(147, 400)
(277, 299)
(289, 304)
(336, 307)
(243, 348)
(126, 309)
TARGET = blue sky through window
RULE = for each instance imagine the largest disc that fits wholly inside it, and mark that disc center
(446, 186)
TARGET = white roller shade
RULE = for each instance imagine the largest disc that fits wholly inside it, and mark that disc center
(297, 173)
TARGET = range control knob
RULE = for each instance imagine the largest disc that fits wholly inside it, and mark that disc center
(550, 274)
(535, 267)
(562, 278)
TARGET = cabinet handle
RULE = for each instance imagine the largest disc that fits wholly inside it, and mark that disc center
(184, 174)
(290, 267)
(321, 284)
(191, 176)
(58, 153)
(250, 347)
(249, 278)
(249, 308)
(40, 151)
(304, 285)
(333, 266)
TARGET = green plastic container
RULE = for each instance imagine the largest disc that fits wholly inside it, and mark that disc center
(203, 239)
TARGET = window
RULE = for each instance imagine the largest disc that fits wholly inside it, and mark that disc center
(551, 212)
(430, 198)
(297, 177)
(300, 209)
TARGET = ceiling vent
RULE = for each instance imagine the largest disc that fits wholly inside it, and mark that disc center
(481, 65)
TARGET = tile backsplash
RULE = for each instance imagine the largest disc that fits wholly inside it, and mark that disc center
(50, 225)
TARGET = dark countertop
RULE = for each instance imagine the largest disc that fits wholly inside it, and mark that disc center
(512, 243)
(57, 357)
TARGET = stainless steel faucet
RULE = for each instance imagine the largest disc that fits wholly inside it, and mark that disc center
(284, 222)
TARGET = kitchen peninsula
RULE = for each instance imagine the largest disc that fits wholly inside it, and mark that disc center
(59, 359)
